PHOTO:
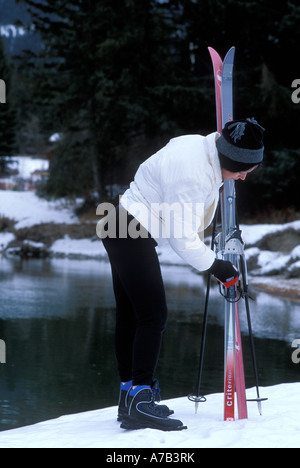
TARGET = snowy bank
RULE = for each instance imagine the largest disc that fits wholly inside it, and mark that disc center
(24, 172)
(78, 248)
(27, 209)
(254, 233)
(278, 427)
(272, 250)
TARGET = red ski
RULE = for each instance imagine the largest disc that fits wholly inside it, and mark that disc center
(234, 378)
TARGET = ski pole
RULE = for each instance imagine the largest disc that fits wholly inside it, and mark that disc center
(198, 398)
(246, 297)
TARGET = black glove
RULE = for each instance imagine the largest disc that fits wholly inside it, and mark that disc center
(224, 272)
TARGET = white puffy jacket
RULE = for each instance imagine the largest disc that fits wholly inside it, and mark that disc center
(175, 194)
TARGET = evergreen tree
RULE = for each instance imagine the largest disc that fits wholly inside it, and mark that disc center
(266, 36)
(116, 72)
(7, 112)
(108, 77)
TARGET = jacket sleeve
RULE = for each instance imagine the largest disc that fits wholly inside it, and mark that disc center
(184, 224)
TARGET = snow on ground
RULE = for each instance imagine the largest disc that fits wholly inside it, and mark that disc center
(278, 427)
(252, 234)
(86, 248)
(28, 209)
(5, 239)
(26, 166)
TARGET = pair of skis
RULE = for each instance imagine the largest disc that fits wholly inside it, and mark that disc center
(229, 246)
(234, 378)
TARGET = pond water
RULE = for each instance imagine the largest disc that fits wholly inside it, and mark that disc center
(57, 320)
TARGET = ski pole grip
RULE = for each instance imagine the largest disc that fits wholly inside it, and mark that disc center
(224, 272)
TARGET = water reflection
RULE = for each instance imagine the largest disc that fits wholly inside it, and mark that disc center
(57, 319)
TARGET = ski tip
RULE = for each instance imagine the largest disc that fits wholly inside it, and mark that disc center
(230, 55)
(216, 57)
(214, 54)
(211, 49)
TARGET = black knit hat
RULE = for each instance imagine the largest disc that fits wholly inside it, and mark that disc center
(241, 145)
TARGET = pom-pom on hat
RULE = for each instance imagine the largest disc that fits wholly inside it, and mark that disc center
(241, 145)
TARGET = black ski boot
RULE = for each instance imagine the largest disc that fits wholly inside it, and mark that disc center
(157, 398)
(123, 400)
(144, 413)
(124, 396)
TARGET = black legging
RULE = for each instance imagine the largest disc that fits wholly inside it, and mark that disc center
(141, 310)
